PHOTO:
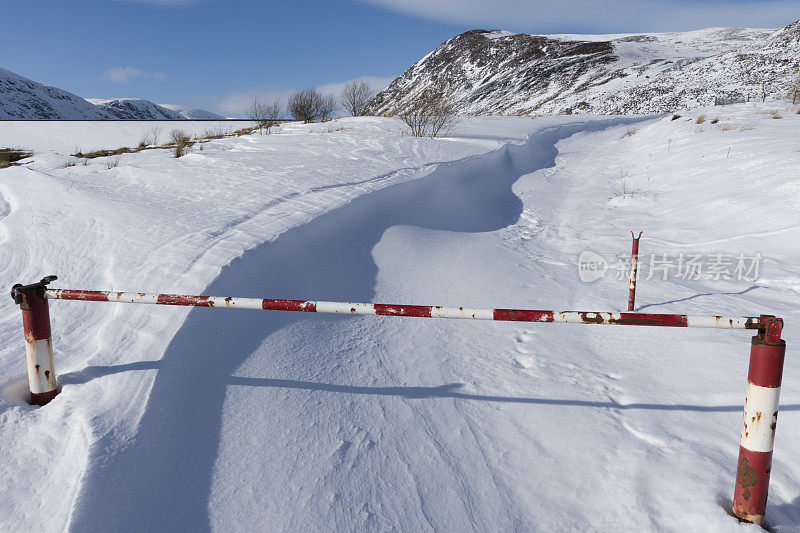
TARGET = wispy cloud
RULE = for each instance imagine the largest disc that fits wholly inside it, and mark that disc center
(375, 82)
(538, 16)
(126, 74)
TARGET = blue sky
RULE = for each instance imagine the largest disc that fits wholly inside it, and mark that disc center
(216, 54)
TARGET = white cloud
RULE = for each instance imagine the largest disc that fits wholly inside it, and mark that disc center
(126, 74)
(237, 104)
(538, 16)
(376, 83)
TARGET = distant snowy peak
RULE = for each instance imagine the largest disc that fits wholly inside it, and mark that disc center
(134, 109)
(24, 99)
(499, 72)
(21, 98)
(192, 113)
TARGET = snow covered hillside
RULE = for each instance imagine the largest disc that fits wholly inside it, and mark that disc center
(191, 112)
(21, 98)
(498, 72)
(134, 109)
(230, 420)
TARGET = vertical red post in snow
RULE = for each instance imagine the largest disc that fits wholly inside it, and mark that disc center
(634, 270)
(38, 340)
(760, 417)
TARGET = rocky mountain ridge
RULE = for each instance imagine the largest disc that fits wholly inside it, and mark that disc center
(498, 72)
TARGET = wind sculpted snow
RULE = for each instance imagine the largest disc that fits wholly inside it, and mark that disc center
(311, 450)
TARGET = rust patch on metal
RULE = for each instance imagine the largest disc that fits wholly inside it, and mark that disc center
(353, 310)
(228, 301)
(746, 476)
(592, 318)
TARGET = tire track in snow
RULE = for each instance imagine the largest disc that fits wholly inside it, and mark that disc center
(164, 478)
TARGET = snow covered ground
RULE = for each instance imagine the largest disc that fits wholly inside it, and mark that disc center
(223, 420)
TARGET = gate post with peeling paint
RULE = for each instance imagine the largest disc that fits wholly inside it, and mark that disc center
(760, 417)
(38, 339)
(634, 270)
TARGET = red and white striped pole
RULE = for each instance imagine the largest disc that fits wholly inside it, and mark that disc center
(38, 339)
(760, 417)
(634, 270)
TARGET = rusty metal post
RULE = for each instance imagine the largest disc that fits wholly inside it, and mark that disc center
(760, 417)
(634, 270)
(38, 340)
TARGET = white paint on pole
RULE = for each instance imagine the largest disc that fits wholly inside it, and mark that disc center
(41, 373)
(760, 418)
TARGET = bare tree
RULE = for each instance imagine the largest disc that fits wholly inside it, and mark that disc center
(355, 98)
(327, 106)
(429, 114)
(309, 104)
(303, 104)
(265, 112)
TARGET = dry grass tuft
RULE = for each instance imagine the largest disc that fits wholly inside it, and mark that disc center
(700, 119)
(12, 156)
(630, 132)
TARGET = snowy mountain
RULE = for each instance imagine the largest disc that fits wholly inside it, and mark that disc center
(192, 113)
(25, 99)
(764, 69)
(21, 98)
(134, 109)
(499, 72)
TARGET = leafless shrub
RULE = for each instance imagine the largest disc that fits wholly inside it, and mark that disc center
(715, 121)
(630, 132)
(69, 163)
(112, 163)
(727, 127)
(143, 142)
(309, 104)
(217, 133)
(355, 98)
(155, 133)
(624, 191)
(245, 131)
(179, 136)
(700, 119)
(429, 115)
(181, 141)
(265, 112)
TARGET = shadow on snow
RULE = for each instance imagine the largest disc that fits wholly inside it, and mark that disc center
(162, 479)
